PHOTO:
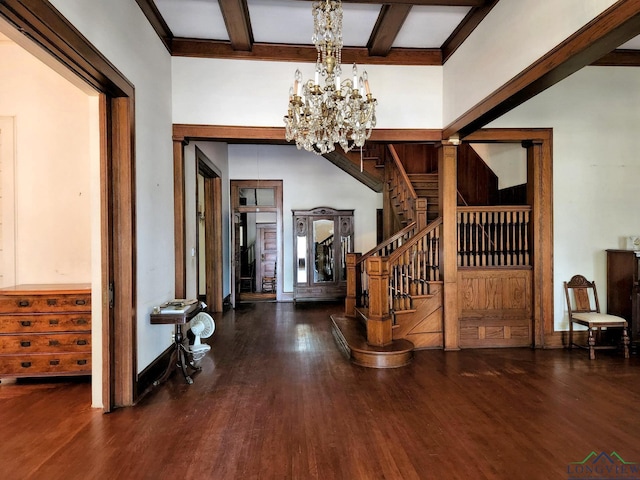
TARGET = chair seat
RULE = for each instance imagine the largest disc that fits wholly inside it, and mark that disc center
(598, 319)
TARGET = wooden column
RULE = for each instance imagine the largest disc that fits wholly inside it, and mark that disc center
(354, 286)
(379, 321)
(447, 174)
(123, 361)
(539, 190)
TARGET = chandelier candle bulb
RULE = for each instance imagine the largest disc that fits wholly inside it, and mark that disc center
(366, 82)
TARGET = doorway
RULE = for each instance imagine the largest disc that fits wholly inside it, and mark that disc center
(114, 376)
(209, 233)
(256, 240)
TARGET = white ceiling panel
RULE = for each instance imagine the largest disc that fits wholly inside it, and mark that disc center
(357, 23)
(193, 18)
(291, 22)
(281, 21)
(429, 26)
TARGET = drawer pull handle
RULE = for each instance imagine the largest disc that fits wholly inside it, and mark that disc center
(82, 321)
(53, 322)
(52, 301)
(82, 362)
(25, 343)
(23, 303)
(81, 342)
(54, 343)
(54, 362)
(25, 323)
(81, 302)
(25, 364)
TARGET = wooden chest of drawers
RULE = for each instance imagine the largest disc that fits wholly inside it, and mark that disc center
(45, 330)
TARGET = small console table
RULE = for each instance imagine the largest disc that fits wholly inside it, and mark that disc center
(178, 313)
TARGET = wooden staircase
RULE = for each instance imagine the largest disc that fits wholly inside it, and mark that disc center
(426, 186)
(394, 302)
(394, 292)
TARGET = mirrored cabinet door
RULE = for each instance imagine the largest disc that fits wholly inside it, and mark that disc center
(322, 238)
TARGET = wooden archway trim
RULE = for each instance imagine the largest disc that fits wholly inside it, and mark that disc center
(540, 139)
(539, 144)
(275, 135)
(48, 28)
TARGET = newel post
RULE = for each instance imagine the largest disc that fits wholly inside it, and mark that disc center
(379, 327)
(354, 284)
(421, 212)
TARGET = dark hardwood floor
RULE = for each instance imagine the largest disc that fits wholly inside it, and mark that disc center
(276, 400)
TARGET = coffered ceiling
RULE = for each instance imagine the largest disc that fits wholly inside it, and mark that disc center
(421, 32)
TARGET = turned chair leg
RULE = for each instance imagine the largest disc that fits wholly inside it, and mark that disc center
(592, 344)
(570, 334)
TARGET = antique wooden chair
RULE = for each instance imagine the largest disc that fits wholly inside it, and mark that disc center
(584, 309)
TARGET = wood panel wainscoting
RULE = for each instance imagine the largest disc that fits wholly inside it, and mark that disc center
(495, 308)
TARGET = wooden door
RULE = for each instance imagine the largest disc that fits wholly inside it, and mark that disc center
(266, 253)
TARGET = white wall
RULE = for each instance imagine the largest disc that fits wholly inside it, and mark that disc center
(309, 181)
(511, 37)
(244, 92)
(51, 194)
(120, 31)
(595, 115)
(507, 160)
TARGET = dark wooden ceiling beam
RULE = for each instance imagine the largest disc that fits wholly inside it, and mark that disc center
(275, 135)
(616, 25)
(464, 29)
(444, 3)
(386, 29)
(236, 19)
(189, 47)
(154, 17)
(619, 58)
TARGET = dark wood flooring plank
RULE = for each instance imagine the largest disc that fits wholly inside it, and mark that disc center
(277, 400)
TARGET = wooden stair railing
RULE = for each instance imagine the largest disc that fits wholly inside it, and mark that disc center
(357, 282)
(493, 236)
(402, 195)
(413, 266)
(393, 279)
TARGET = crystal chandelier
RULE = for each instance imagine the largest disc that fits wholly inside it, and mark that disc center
(341, 112)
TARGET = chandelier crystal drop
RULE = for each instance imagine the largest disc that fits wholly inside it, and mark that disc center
(341, 111)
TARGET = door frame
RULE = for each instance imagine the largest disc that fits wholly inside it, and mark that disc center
(213, 232)
(47, 28)
(236, 209)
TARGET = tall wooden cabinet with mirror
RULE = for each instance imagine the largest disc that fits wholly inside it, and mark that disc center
(322, 238)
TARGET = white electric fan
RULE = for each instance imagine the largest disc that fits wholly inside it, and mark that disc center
(201, 326)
